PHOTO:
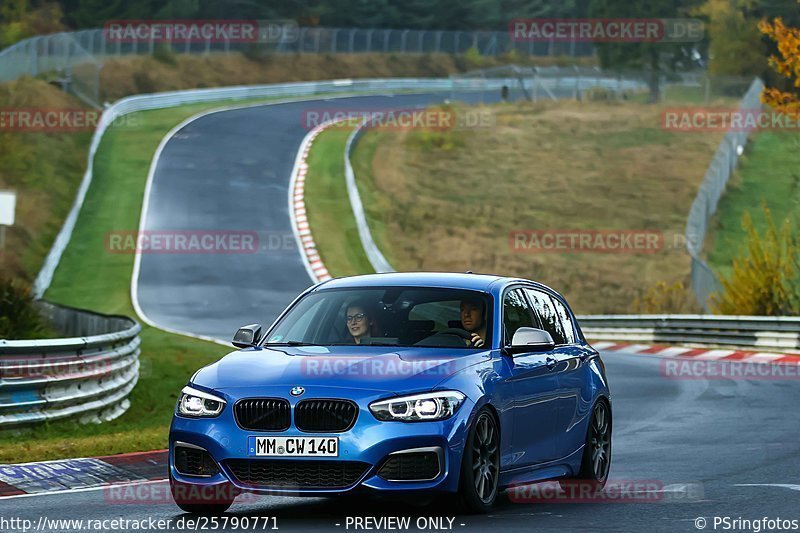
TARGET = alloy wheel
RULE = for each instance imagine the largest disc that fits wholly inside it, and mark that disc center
(485, 458)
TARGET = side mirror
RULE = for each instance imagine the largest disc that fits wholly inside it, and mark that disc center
(247, 336)
(530, 340)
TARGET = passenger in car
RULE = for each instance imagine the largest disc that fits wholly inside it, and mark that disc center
(472, 320)
(359, 321)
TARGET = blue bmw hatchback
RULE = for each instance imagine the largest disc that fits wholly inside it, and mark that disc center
(395, 383)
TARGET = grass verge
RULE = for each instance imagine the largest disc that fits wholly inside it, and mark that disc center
(768, 173)
(328, 206)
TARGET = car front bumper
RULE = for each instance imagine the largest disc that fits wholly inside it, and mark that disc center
(368, 441)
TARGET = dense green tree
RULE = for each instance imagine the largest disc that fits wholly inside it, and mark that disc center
(736, 46)
(654, 58)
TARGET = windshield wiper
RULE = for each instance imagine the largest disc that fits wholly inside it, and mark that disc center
(380, 344)
(302, 343)
(291, 343)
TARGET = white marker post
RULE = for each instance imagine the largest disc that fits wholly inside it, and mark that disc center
(8, 202)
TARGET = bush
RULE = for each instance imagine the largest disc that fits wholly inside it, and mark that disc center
(666, 298)
(163, 52)
(146, 82)
(438, 139)
(766, 275)
(473, 56)
(19, 318)
(256, 52)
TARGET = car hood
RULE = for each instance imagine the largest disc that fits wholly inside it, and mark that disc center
(372, 368)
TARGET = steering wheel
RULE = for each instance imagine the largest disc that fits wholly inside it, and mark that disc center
(458, 332)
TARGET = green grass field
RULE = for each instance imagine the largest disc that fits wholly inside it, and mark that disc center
(328, 206)
(89, 277)
(769, 173)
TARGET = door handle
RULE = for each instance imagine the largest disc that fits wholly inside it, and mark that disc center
(551, 363)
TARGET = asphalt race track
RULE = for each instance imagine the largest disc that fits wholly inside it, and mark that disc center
(698, 439)
(229, 172)
(704, 448)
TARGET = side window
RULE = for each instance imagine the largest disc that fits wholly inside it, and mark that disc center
(545, 308)
(565, 320)
(516, 313)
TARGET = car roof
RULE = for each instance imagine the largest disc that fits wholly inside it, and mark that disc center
(461, 280)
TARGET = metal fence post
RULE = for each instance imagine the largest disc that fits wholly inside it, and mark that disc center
(403, 41)
(438, 42)
(369, 40)
(386, 34)
(352, 39)
(35, 57)
(421, 36)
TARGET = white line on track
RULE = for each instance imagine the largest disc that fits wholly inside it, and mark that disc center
(149, 184)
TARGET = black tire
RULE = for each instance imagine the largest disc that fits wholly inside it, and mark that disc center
(480, 465)
(213, 507)
(596, 461)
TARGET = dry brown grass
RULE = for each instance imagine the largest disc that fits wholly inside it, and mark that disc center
(553, 166)
(135, 75)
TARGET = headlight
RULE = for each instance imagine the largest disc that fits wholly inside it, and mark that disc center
(428, 406)
(195, 403)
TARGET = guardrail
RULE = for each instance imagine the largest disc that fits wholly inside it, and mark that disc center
(87, 375)
(764, 332)
(376, 258)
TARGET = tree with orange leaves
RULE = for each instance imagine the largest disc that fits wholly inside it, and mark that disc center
(788, 65)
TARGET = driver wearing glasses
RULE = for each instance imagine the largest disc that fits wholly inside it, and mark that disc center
(359, 321)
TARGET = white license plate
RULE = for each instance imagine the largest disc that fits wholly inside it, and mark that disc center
(293, 446)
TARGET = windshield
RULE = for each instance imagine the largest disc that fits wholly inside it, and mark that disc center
(387, 316)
